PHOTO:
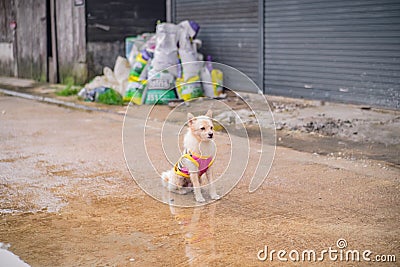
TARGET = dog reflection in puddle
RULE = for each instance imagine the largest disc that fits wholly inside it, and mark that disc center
(197, 226)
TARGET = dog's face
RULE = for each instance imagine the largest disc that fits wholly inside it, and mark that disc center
(202, 126)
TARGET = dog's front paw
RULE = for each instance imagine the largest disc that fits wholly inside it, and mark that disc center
(200, 199)
(215, 196)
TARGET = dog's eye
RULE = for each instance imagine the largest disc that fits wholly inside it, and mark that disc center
(202, 128)
(211, 128)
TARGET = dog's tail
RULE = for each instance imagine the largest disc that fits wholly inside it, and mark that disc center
(166, 177)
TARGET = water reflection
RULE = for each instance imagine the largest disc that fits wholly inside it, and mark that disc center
(197, 226)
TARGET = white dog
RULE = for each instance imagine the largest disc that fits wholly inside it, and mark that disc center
(197, 159)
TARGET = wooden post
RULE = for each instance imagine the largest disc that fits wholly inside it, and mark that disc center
(53, 61)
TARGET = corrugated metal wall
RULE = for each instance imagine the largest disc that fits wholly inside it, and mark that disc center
(333, 50)
(230, 32)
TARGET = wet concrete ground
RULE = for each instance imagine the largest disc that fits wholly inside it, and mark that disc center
(67, 199)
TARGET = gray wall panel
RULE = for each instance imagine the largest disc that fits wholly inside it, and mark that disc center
(339, 50)
(230, 33)
(347, 51)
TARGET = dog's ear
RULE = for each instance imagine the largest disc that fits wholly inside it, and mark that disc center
(209, 113)
(190, 118)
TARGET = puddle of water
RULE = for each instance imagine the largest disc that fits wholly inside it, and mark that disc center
(9, 259)
(26, 185)
(197, 227)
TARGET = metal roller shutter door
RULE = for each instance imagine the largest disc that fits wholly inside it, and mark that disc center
(230, 32)
(347, 51)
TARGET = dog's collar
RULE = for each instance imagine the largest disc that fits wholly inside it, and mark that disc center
(191, 153)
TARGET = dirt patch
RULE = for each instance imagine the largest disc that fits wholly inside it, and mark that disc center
(339, 147)
(14, 159)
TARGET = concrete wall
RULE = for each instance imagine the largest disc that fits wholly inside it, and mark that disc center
(103, 54)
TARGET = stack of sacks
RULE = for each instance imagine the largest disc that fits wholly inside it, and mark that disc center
(133, 46)
(163, 68)
(174, 62)
(188, 48)
(138, 78)
(140, 66)
(166, 50)
(117, 79)
(188, 84)
(212, 80)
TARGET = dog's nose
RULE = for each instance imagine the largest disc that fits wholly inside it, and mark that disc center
(210, 135)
